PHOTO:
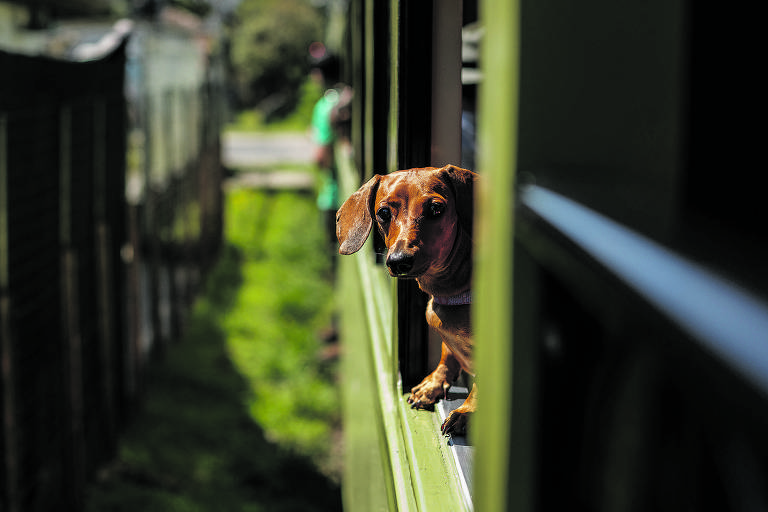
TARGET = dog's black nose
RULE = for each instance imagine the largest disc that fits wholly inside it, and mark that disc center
(400, 263)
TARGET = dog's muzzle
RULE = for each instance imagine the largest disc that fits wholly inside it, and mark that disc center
(400, 263)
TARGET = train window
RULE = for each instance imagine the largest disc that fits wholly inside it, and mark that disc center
(414, 107)
(442, 131)
(471, 35)
(441, 66)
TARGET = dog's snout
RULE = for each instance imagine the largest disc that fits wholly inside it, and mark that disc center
(400, 263)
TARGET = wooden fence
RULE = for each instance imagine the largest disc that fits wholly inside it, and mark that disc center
(87, 277)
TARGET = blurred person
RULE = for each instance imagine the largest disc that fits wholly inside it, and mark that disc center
(329, 117)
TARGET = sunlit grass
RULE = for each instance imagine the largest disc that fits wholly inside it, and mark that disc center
(241, 413)
(273, 328)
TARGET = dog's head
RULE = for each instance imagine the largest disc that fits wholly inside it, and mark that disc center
(419, 212)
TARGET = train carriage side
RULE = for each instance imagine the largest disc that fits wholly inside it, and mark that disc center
(621, 294)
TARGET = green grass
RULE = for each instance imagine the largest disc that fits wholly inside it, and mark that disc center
(273, 330)
(242, 414)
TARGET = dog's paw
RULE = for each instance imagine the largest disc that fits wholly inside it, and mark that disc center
(455, 423)
(428, 392)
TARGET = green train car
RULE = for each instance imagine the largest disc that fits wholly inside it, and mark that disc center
(620, 276)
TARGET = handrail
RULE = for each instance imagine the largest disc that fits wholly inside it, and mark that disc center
(728, 321)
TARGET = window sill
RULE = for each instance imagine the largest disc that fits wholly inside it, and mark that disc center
(463, 453)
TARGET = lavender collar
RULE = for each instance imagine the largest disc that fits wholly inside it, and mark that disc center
(453, 300)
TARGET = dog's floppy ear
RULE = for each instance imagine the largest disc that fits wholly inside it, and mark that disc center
(354, 219)
(462, 181)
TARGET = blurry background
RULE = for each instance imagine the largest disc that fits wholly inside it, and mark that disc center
(167, 304)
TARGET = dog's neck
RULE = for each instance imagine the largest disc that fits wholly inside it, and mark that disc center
(455, 277)
(461, 299)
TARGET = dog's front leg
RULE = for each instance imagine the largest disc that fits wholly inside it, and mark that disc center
(436, 384)
(457, 420)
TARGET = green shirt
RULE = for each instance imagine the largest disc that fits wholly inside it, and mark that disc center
(322, 129)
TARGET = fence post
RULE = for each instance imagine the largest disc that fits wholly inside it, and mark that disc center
(70, 308)
(103, 238)
(6, 342)
(152, 225)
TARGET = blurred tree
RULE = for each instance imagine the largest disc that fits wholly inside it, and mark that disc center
(199, 7)
(269, 52)
(150, 8)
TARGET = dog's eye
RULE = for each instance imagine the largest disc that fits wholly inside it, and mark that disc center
(436, 209)
(384, 214)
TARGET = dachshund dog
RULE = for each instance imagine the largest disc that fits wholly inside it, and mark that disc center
(425, 217)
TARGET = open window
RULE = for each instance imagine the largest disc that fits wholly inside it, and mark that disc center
(437, 95)
(405, 64)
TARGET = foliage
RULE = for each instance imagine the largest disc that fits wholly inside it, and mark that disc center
(251, 120)
(269, 51)
(199, 7)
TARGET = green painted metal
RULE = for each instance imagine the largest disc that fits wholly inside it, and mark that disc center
(492, 430)
(435, 477)
(384, 380)
(394, 92)
(367, 484)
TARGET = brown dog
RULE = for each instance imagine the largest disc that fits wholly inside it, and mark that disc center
(425, 217)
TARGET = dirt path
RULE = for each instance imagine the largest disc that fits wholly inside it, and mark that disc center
(253, 155)
(245, 149)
